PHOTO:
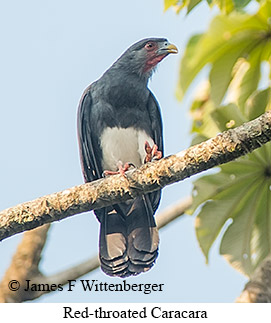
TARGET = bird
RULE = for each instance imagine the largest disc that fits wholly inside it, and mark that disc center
(119, 126)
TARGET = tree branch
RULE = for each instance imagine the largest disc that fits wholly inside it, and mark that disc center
(25, 262)
(223, 148)
(258, 289)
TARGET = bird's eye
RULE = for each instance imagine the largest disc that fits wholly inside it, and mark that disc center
(149, 46)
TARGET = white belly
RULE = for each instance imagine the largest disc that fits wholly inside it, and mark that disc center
(123, 145)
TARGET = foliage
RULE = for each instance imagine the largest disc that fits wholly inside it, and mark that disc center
(237, 200)
(225, 6)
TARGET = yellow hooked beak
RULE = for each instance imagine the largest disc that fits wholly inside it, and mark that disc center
(171, 49)
(167, 49)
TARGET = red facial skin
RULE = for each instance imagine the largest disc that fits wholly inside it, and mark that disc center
(152, 58)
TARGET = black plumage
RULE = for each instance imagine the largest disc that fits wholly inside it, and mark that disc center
(117, 114)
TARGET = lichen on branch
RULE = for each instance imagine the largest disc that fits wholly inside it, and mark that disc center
(223, 148)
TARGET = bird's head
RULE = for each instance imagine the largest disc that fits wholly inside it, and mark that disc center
(143, 56)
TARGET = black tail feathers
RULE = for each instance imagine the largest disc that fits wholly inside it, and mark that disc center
(128, 238)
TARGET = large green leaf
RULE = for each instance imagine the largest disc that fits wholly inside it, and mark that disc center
(239, 193)
(206, 48)
(240, 243)
(264, 12)
(227, 39)
(234, 203)
(225, 6)
(169, 3)
(250, 80)
(227, 117)
(221, 71)
(216, 212)
(192, 4)
(189, 52)
(257, 103)
(206, 187)
(240, 4)
(205, 125)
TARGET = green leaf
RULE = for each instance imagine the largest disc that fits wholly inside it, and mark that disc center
(260, 242)
(250, 80)
(223, 34)
(257, 103)
(169, 3)
(192, 4)
(205, 125)
(236, 202)
(227, 39)
(225, 6)
(208, 186)
(221, 72)
(238, 239)
(239, 193)
(215, 213)
(189, 52)
(266, 54)
(201, 110)
(178, 5)
(227, 117)
(264, 12)
(240, 4)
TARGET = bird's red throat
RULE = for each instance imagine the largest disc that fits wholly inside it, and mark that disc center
(152, 62)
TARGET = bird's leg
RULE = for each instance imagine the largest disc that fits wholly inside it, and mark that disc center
(122, 169)
(152, 153)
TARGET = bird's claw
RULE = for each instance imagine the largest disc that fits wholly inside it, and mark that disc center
(122, 169)
(152, 153)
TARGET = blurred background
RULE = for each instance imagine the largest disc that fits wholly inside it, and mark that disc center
(51, 51)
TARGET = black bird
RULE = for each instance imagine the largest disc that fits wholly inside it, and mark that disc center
(119, 125)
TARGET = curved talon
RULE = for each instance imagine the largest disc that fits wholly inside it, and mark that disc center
(109, 172)
(152, 153)
(157, 155)
(122, 169)
(128, 165)
(148, 150)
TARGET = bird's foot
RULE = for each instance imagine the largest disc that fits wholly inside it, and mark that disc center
(122, 169)
(152, 153)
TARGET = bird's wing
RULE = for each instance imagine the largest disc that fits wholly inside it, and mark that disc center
(157, 132)
(156, 122)
(89, 153)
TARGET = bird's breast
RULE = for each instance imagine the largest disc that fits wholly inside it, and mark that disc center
(126, 145)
